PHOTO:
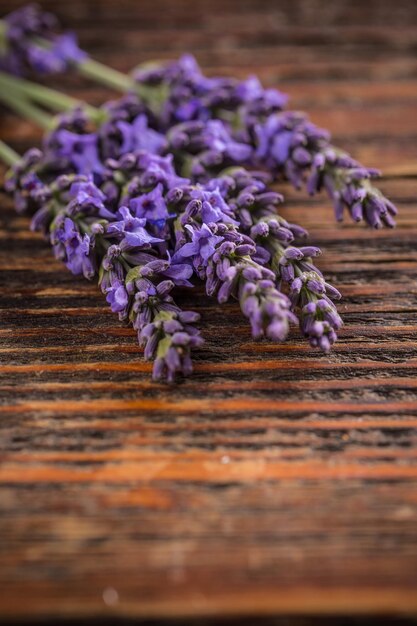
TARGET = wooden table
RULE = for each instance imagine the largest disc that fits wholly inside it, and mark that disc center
(277, 480)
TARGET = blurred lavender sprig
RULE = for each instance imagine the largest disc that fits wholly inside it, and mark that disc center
(23, 33)
(184, 93)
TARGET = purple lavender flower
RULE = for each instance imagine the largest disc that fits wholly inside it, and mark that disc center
(151, 205)
(201, 247)
(86, 199)
(121, 134)
(118, 298)
(24, 53)
(76, 152)
(131, 231)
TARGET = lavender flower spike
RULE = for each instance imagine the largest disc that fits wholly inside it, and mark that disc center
(189, 95)
(309, 293)
(166, 332)
(292, 146)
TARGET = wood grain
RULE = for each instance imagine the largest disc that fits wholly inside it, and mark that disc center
(276, 481)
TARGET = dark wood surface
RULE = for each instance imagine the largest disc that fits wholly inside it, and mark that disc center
(276, 481)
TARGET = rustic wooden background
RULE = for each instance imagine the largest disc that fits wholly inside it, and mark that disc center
(277, 481)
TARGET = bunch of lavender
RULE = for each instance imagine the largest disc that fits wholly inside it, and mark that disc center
(247, 194)
(223, 225)
(285, 142)
(227, 230)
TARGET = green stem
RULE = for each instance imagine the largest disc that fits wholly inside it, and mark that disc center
(3, 42)
(14, 99)
(116, 80)
(8, 155)
(88, 67)
(50, 98)
(105, 75)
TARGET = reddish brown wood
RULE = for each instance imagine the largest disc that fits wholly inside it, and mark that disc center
(276, 481)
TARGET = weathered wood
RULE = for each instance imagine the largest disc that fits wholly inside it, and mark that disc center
(276, 481)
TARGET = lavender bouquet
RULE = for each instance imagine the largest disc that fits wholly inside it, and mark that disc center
(170, 185)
